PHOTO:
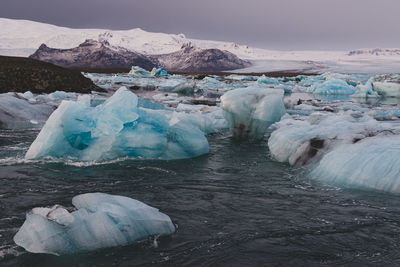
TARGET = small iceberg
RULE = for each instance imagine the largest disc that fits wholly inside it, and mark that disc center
(99, 221)
(159, 72)
(139, 72)
(267, 80)
(250, 111)
(332, 87)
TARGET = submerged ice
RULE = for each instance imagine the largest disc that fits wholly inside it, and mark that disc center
(116, 128)
(99, 221)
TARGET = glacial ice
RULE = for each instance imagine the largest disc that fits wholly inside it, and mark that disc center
(366, 90)
(99, 221)
(267, 80)
(17, 112)
(332, 87)
(372, 163)
(250, 111)
(137, 71)
(116, 128)
(300, 141)
(387, 89)
(158, 72)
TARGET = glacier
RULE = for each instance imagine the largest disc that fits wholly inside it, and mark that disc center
(250, 111)
(99, 221)
(116, 128)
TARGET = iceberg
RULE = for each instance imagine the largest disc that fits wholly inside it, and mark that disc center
(185, 89)
(366, 90)
(387, 89)
(332, 87)
(137, 71)
(267, 80)
(99, 221)
(116, 128)
(300, 141)
(18, 112)
(159, 72)
(372, 163)
(250, 111)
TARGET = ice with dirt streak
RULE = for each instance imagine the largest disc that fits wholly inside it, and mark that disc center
(99, 221)
(250, 111)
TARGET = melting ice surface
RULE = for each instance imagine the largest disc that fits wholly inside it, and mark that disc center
(100, 221)
(118, 128)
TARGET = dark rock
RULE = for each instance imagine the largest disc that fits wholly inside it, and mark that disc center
(19, 74)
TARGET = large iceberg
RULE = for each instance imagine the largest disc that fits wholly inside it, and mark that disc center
(116, 128)
(99, 221)
(250, 111)
(372, 163)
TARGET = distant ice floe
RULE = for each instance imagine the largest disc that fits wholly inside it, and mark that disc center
(98, 221)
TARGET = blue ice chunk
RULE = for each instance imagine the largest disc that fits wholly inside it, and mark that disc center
(113, 129)
(372, 163)
(267, 80)
(332, 87)
(366, 90)
(158, 72)
(250, 111)
(61, 95)
(137, 71)
(100, 221)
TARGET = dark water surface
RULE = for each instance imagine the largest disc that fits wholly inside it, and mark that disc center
(233, 207)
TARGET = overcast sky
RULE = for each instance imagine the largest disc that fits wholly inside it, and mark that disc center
(275, 24)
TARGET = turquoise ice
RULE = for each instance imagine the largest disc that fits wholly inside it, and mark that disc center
(116, 128)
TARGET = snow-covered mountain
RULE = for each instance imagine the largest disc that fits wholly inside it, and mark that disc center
(375, 52)
(23, 38)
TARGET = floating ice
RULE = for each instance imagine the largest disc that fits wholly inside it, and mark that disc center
(158, 72)
(100, 221)
(366, 90)
(299, 141)
(332, 87)
(137, 71)
(372, 163)
(116, 128)
(16, 112)
(250, 111)
(267, 80)
(387, 89)
(185, 89)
